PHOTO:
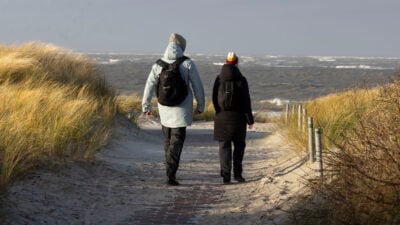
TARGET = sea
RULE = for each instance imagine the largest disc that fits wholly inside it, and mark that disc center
(273, 80)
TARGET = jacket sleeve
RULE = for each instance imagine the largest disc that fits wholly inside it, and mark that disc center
(197, 86)
(150, 88)
(247, 102)
(215, 95)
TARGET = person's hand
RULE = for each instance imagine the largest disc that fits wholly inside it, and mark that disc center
(251, 126)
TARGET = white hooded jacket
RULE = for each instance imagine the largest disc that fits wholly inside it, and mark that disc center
(182, 114)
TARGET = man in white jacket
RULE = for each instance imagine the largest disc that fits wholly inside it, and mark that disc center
(175, 119)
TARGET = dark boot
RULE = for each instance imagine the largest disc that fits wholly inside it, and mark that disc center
(226, 180)
(239, 179)
(172, 181)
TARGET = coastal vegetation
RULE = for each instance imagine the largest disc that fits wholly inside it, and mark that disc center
(53, 106)
(361, 136)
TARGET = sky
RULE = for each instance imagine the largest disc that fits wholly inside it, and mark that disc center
(248, 27)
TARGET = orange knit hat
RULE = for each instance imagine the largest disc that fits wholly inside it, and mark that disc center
(232, 58)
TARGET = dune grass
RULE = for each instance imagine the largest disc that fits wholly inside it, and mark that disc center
(336, 114)
(208, 114)
(130, 106)
(361, 134)
(53, 104)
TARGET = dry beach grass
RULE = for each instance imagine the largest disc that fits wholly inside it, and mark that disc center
(53, 104)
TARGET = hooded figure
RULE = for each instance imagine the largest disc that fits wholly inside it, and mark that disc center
(231, 119)
(175, 119)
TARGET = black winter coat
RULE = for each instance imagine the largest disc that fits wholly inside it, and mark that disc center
(232, 125)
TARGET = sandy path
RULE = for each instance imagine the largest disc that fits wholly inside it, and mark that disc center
(126, 184)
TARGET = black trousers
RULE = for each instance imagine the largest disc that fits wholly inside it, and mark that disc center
(225, 157)
(173, 144)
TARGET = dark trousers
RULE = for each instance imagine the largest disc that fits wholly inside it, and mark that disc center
(173, 144)
(225, 157)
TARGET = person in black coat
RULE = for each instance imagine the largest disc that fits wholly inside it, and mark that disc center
(231, 100)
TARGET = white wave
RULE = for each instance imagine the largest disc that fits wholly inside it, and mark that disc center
(113, 61)
(346, 67)
(103, 62)
(326, 59)
(286, 66)
(364, 67)
(276, 101)
(218, 63)
(368, 57)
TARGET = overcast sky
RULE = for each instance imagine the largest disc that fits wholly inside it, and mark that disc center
(258, 27)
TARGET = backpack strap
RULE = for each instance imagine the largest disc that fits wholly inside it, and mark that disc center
(164, 65)
(180, 60)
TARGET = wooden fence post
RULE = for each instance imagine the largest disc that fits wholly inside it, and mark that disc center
(311, 139)
(299, 117)
(318, 148)
(287, 114)
(293, 110)
(304, 120)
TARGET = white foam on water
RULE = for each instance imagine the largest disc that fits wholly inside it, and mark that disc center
(218, 63)
(364, 67)
(276, 101)
(326, 59)
(114, 61)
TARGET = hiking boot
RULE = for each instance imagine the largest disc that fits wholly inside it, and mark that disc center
(240, 179)
(226, 181)
(172, 182)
